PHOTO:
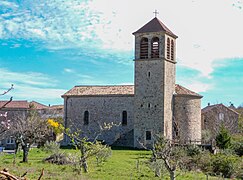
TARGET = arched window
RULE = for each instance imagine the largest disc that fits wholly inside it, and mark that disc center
(155, 47)
(124, 118)
(144, 48)
(172, 50)
(86, 117)
(168, 48)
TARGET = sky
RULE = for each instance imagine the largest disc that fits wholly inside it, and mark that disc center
(49, 46)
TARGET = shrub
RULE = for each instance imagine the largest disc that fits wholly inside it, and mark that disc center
(237, 144)
(51, 146)
(224, 164)
(223, 139)
(193, 150)
(102, 152)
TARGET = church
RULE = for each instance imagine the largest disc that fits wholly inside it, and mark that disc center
(135, 114)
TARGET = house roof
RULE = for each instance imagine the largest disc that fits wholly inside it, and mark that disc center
(14, 104)
(117, 90)
(38, 105)
(155, 25)
(180, 90)
(57, 107)
(210, 107)
(100, 90)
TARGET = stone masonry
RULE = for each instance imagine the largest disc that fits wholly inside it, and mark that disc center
(150, 107)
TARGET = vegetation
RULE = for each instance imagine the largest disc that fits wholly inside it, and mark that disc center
(123, 164)
(223, 139)
(29, 129)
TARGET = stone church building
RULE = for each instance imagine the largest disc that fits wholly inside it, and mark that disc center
(154, 105)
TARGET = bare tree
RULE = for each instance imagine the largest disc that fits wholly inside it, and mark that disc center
(169, 154)
(4, 121)
(88, 147)
(28, 129)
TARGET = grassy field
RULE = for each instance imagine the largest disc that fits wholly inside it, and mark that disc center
(123, 164)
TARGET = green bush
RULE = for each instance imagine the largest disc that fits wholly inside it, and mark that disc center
(223, 139)
(193, 150)
(224, 164)
(237, 144)
(51, 146)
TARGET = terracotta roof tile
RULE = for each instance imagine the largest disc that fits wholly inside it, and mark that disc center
(38, 105)
(100, 90)
(210, 107)
(155, 25)
(57, 107)
(180, 90)
(15, 104)
(117, 90)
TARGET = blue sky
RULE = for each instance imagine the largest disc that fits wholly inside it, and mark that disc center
(48, 46)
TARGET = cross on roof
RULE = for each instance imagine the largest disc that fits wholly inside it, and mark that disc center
(156, 12)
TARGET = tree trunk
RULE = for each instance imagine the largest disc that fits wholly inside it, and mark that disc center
(172, 175)
(83, 159)
(25, 153)
(157, 172)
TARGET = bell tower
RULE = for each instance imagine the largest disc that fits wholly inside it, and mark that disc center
(155, 57)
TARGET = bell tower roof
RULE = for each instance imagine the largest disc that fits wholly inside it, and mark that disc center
(155, 25)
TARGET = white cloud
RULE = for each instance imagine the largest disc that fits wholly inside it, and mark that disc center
(207, 30)
(30, 86)
(198, 86)
(28, 78)
(36, 93)
(67, 70)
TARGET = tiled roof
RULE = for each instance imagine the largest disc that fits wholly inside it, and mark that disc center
(155, 25)
(38, 105)
(14, 104)
(180, 90)
(100, 90)
(57, 107)
(210, 107)
(117, 90)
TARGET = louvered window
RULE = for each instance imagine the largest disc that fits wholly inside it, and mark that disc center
(168, 48)
(144, 48)
(172, 50)
(155, 48)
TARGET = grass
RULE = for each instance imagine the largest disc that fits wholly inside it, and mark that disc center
(123, 164)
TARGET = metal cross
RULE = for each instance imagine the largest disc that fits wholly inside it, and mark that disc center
(156, 12)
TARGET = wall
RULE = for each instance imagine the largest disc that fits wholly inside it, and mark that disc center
(187, 116)
(212, 122)
(102, 109)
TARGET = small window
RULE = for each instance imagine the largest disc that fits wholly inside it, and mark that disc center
(144, 48)
(172, 50)
(10, 140)
(148, 135)
(124, 118)
(149, 74)
(155, 47)
(221, 116)
(168, 48)
(149, 105)
(86, 117)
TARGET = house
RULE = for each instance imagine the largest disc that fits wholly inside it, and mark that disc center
(19, 109)
(215, 116)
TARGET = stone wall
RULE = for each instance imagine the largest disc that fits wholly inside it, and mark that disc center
(187, 117)
(154, 88)
(102, 109)
(212, 120)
